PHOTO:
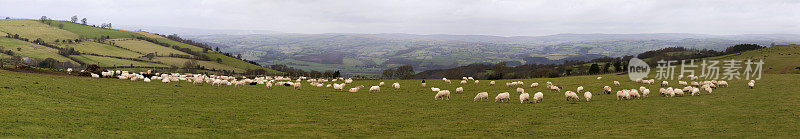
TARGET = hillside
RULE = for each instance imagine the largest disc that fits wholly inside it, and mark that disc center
(81, 45)
(781, 59)
(368, 54)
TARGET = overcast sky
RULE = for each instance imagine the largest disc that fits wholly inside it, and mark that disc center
(478, 17)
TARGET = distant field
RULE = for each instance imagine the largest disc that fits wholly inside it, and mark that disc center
(213, 55)
(34, 29)
(31, 50)
(49, 106)
(111, 62)
(102, 49)
(93, 32)
(146, 47)
(208, 64)
(778, 59)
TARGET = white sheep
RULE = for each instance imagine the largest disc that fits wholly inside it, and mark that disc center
(723, 83)
(374, 89)
(463, 82)
(269, 85)
(534, 85)
(447, 81)
(683, 83)
(616, 83)
(423, 85)
(481, 96)
(664, 83)
(555, 88)
(353, 90)
(165, 80)
(599, 78)
(380, 84)
(460, 90)
(707, 89)
(435, 89)
(678, 92)
(607, 89)
(645, 92)
(623, 94)
(297, 85)
(491, 83)
(396, 85)
(442, 94)
(95, 75)
(476, 82)
(571, 95)
(751, 84)
(502, 96)
(695, 91)
(147, 80)
(580, 88)
(537, 97)
(524, 97)
(520, 90)
(587, 95)
(669, 92)
(634, 94)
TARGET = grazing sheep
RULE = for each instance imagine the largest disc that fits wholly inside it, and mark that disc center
(380, 84)
(520, 90)
(165, 80)
(707, 89)
(524, 97)
(374, 89)
(639, 81)
(695, 83)
(723, 84)
(463, 82)
(680, 77)
(664, 83)
(435, 89)
(751, 84)
(476, 82)
(669, 92)
(623, 94)
(481, 96)
(645, 92)
(571, 95)
(442, 94)
(147, 80)
(695, 91)
(642, 88)
(537, 97)
(460, 90)
(470, 78)
(634, 94)
(491, 83)
(297, 85)
(580, 88)
(447, 81)
(353, 90)
(95, 75)
(269, 85)
(534, 85)
(607, 89)
(678, 92)
(338, 87)
(684, 83)
(616, 83)
(396, 85)
(555, 88)
(587, 95)
(423, 85)
(599, 78)
(502, 96)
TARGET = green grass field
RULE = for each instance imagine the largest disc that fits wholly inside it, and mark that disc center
(146, 47)
(208, 64)
(32, 30)
(211, 54)
(777, 59)
(112, 62)
(31, 50)
(93, 32)
(101, 49)
(52, 106)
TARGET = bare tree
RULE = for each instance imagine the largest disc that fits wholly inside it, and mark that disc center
(74, 19)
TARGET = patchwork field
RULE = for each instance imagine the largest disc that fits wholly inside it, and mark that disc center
(31, 50)
(102, 49)
(208, 64)
(146, 47)
(34, 29)
(93, 32)
(52, 106)
(778, 59)
(113, 62)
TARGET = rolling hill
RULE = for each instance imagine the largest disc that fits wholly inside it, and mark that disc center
(81, 45)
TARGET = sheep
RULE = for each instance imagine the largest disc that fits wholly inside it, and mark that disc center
(587, 95)
(338, 87)
(707, 89)
(751, 84)
(380, 84)
(297, 85)
(374, 89)
(645, 92)
(491, 83)
(442, 94)
(623, 94)
(638, 80)
(664, 83)
(460, 90)
(524, 97)
(634, 94)
(354, 90)
(481, 96)
(683, 83)
(533, 85)
(599, 78)
(476, 82)
(269, 85)
(447, 81)
(537, 97)
(165, 80)
(95, 75)
(695, 91)
(695, 83)
(669, 92)
(642, 88)
(396, 85)
(470, 78)
(607, 89)
(328, 86)
(435, 89)
(678, 92)
(502, 96)
(463, 82)
(616, 83)
(520, 90)
(555, 88)
(580, 88)
(423, 85)
(463, 78)
(723, 84)
(571, 95)
(147, 80)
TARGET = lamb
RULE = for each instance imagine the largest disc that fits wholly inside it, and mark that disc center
(375, 89)
(502, 96)
(587, 95)
(645, 92)
(491, 83)
(524, 97)
(460, 90)
(442, 94)
(537, 97)
(607, 89)
(534, 85)
(571, 95)
(481, 96)
(396, 85)
(616, 83)
(580, 88)
(751, 84)
(435, 89)
(520, 90)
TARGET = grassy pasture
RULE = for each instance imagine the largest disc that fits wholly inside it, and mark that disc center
(32, 30)
(93, 32)
(778, 59)
(102, 49)
(31, 50)
(111, 62)
(208, 64)
(37, 105)
(146, 47)
(211, 54)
